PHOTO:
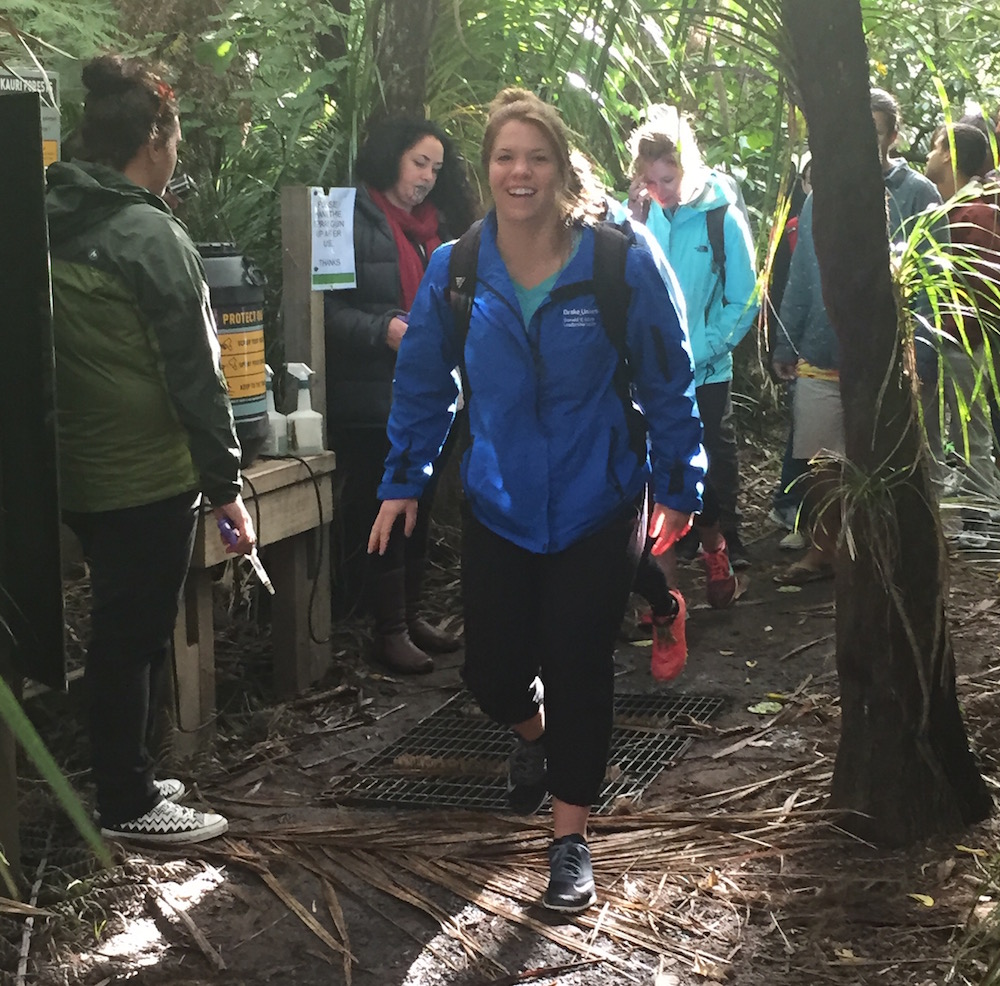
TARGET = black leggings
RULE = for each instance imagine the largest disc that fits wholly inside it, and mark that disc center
(361, 455)
(138, 559)
(553, 616)
(722, 483)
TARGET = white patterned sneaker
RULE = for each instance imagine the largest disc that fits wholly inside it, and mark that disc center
(170, 789)
(167, 823)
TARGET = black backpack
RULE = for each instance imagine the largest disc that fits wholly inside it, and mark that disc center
(612, 242)
(715, 220)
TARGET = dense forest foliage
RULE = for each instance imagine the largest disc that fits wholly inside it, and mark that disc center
(275, 92)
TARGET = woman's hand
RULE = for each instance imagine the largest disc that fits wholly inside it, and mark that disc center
(638, 198)
(388, 514)
(667, 526)
(239, 521)
(394, 332)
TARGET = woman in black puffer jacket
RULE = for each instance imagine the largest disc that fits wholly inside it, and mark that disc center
(412, 193)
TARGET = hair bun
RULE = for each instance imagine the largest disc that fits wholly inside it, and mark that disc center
(512, 94)
(108, 75)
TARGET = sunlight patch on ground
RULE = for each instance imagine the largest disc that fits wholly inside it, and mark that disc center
(141, 941)
(428, 966)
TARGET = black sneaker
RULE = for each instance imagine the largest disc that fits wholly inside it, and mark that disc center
(526, 780)
(571, 879)
(738, 556)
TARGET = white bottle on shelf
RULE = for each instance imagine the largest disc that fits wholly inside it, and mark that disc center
(305, 426)
(276, 442)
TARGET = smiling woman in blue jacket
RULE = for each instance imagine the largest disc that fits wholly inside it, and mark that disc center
(554, 486)
(679, 199)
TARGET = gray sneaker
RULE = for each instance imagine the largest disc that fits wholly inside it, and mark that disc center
(571, 878)
(167, 823)
(527, 784)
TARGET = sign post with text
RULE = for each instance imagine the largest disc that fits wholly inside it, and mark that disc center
(332, 224)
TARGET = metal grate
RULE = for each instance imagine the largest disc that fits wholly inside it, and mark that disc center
(457, 758)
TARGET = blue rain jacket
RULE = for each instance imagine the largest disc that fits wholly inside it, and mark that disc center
(549, 459)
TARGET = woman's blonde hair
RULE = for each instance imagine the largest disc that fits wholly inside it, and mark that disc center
(667, 134)
(519, 104)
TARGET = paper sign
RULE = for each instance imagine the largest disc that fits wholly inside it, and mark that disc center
(25, 79)
(332, 239)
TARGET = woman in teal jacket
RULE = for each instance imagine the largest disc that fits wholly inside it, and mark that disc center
(695, 215)
(554, 485)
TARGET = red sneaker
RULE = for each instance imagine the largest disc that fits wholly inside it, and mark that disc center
(720, 582)
(669, 642)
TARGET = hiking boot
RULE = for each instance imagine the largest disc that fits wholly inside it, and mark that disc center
(170, 789)
(426, 637)
(738, 555)
(400, 654)
(167, 823)
(670, 642)
(392, 645)
(431, 639)
(527, 783)
(571, 878)
(720, 581)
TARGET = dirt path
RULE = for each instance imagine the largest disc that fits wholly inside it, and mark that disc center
(726, 869)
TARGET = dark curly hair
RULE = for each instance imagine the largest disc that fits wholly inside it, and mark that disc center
(378, 160)
(127, 105)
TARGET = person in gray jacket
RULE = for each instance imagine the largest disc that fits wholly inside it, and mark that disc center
(808, 350)
(908, 193)
(412, 194)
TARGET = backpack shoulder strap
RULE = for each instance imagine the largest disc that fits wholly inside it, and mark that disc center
(462, 269)
(613, 295)
(715, 219)
(611, 290)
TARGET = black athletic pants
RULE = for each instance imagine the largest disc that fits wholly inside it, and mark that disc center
(138, 559)
(722, 484)
(556, 617)
(361, 454)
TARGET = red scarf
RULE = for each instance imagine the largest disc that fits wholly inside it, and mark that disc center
(410, 230)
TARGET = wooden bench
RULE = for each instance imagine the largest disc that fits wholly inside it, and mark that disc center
(294, 517)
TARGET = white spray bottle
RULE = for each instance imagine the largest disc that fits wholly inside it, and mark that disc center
(305, 426)
(276, 442)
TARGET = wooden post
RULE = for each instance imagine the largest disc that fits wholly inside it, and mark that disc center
(302, 307)
(301, 612)
(31, 604)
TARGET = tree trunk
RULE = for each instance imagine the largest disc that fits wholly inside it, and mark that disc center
(903, 764)
(402, 55)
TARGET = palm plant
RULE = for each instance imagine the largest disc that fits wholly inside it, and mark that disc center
(950, 279)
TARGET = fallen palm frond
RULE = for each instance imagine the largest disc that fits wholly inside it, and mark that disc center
(679, 883)
(160, 904)
(8, 906)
